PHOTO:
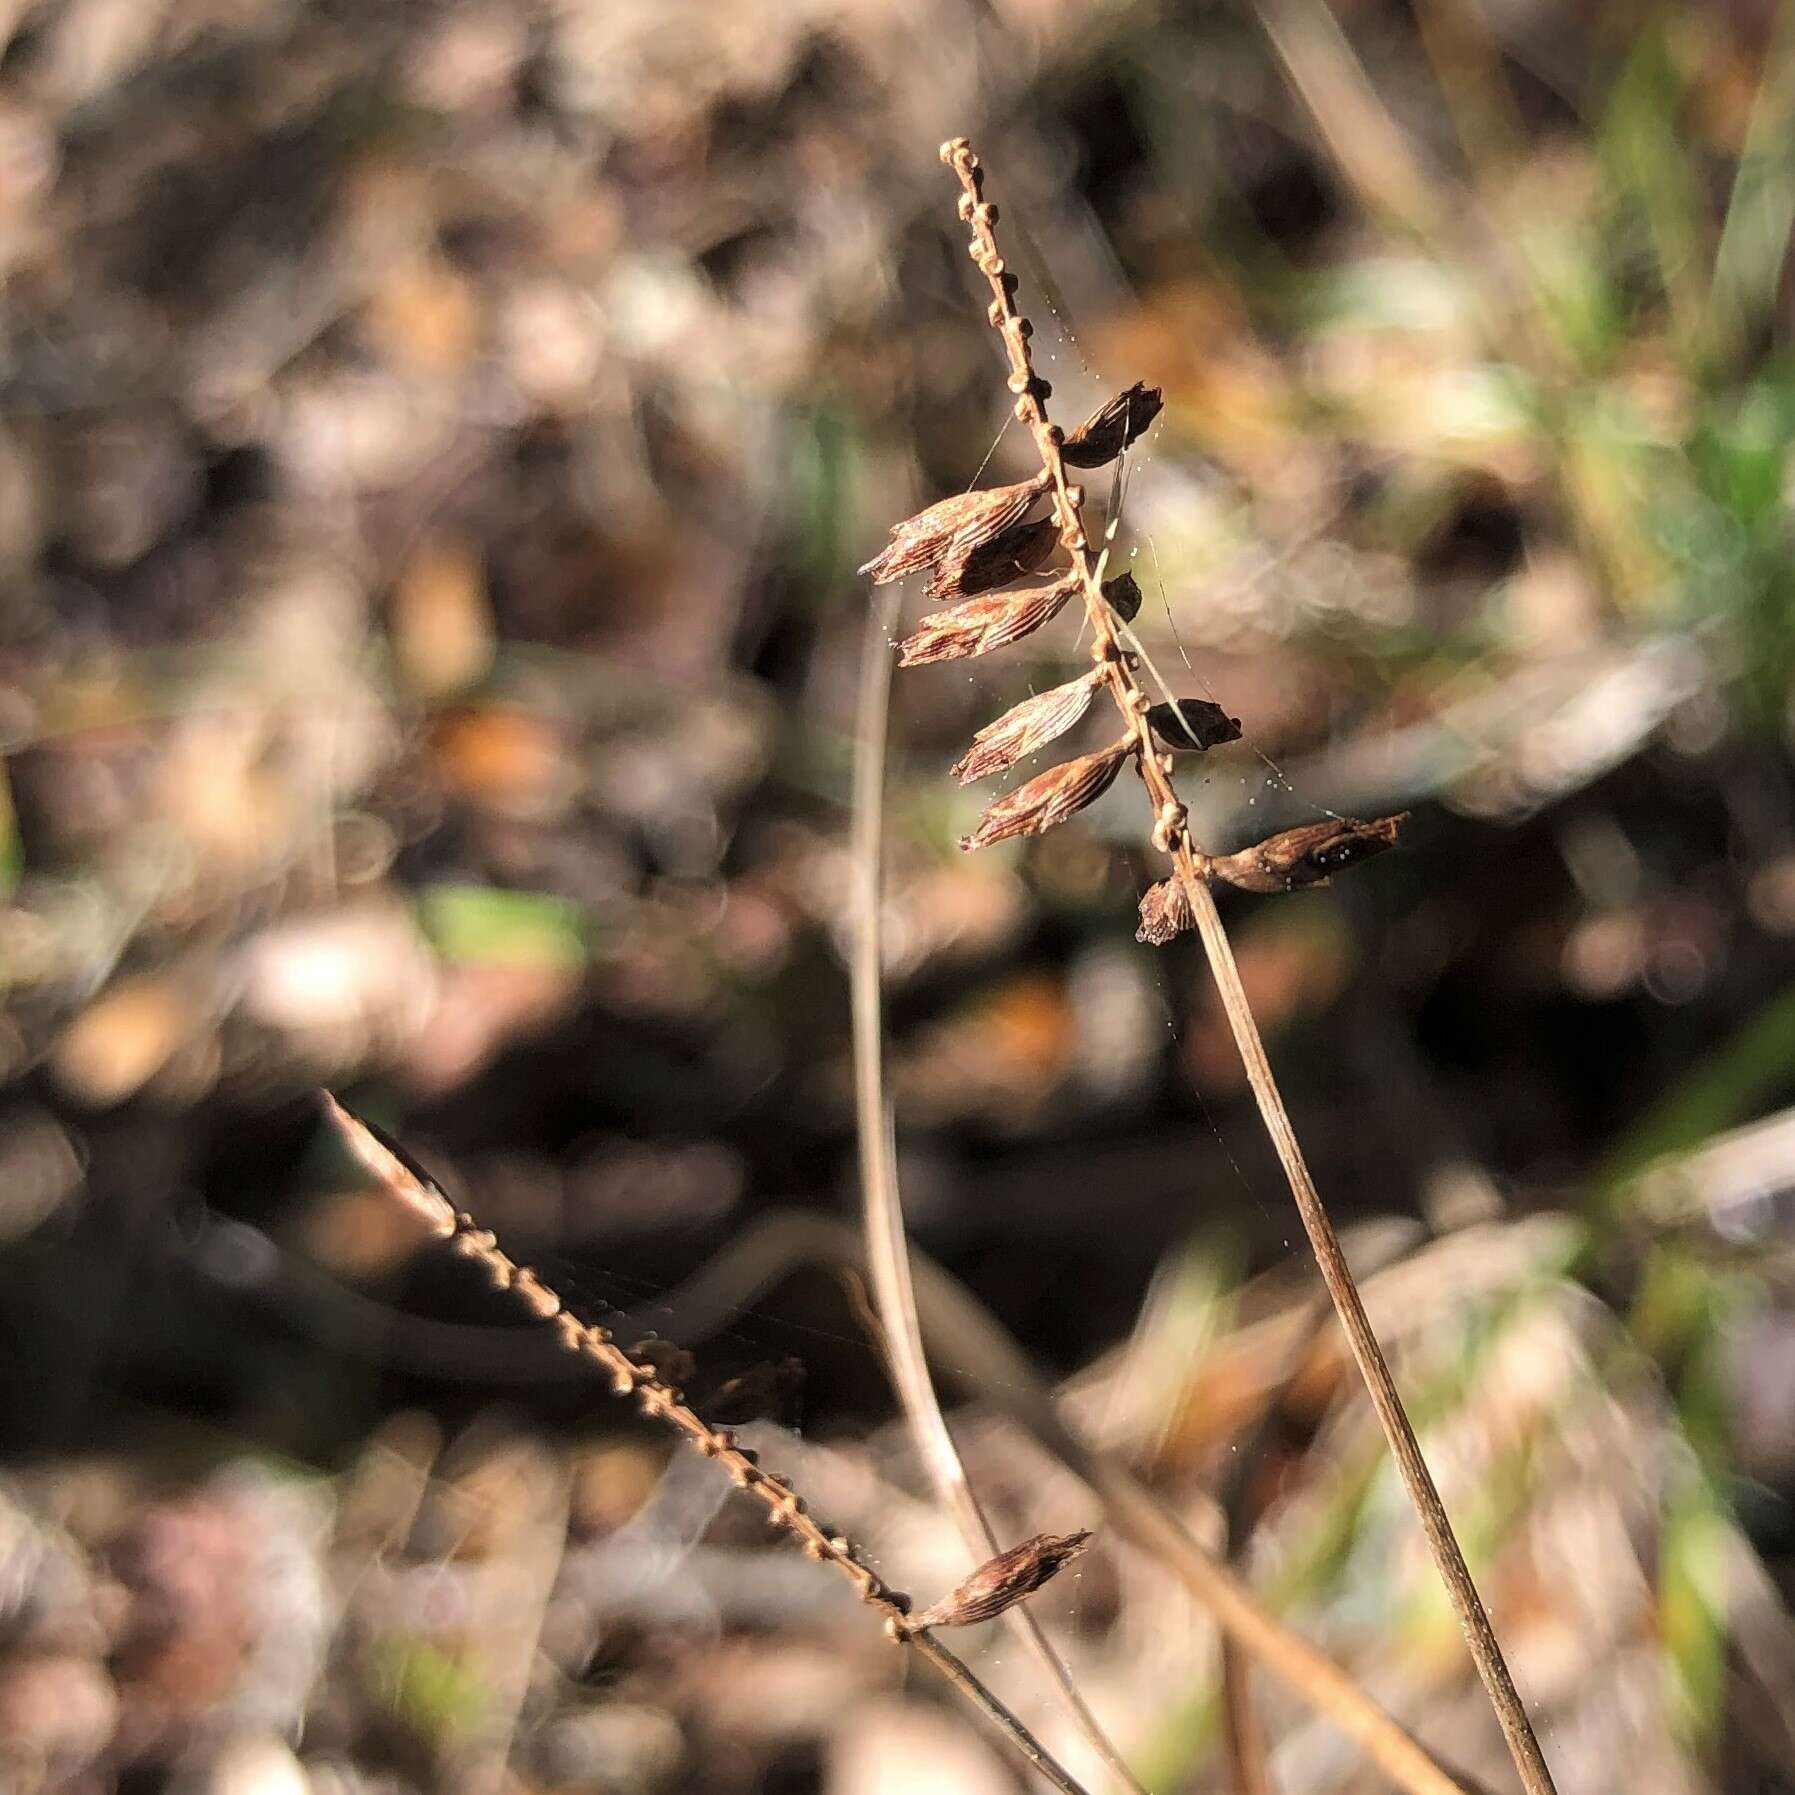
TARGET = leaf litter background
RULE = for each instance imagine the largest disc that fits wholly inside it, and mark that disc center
(437, 439)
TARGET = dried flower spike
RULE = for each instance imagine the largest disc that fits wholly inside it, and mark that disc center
(1112, 427)
(1025, 727)
(994, 620)
(1005, 1580)
(1165, 912)
(1023, 548)
(1306, 856)
(1050, 797)
(1193, 724)
(953, 528)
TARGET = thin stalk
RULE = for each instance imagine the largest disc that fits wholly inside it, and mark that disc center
(1171, 835)
(887, 1249)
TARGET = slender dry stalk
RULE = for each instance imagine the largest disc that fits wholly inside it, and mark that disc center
(1295, 858)
(963, 1333)
(887, 1249)
(666, 1403)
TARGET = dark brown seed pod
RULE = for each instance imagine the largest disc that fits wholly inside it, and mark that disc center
(1165, 912)
(1023, 548)
(1306, 856)
(1050, 797)
(762, 1392)
(993, 620)
(1112, 427)
(952, 528)
(671, 1364)
(1193, 724)
(1124, 596)
(1005, 1580)
(1025, 727)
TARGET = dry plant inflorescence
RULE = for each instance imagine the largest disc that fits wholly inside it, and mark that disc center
(642, 1372)
(975, 547)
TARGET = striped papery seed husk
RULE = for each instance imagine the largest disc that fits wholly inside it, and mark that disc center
(1023, 548)
(1050, 797)
(1003, 1581)
(1112, 427)
(953, 528)
(1165, 912)
(1025, 727)
(993, 620)
(1307, 855)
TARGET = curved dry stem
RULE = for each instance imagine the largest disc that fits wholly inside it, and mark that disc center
(887, 1250)
(1171, 835)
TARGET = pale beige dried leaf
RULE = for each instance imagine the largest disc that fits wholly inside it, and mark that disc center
(1025, 727)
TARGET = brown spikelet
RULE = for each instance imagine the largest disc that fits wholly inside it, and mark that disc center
(952, 528)
(1123, 596)
(1192, 724)
(1005, 1580)
(1025, 727)
(1306, 856)
(673, 1365)
(1050, 797)
(762, 1391)
(993, 620)
(1165, 912)
(1023, 548)
(1112, 427)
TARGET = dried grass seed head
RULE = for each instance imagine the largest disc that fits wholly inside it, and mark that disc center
(1051, 797)
(1307, 855)
(993, 620)
(1025, 727)
(1192, 724)
(1112, 427)
(1005, 1580)
(952, 528)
